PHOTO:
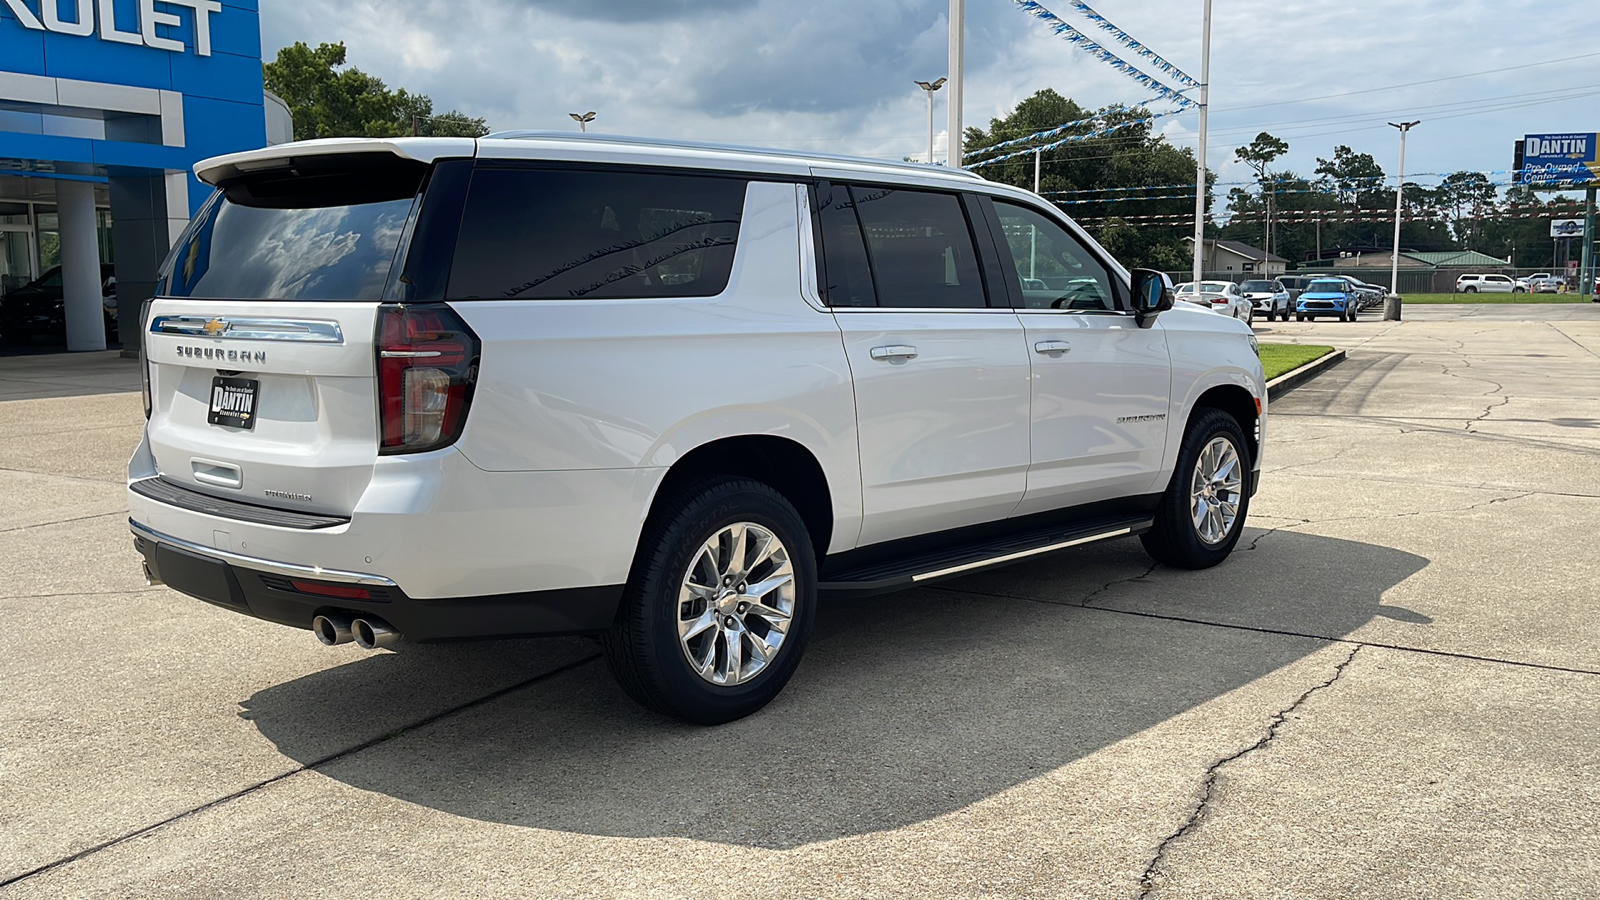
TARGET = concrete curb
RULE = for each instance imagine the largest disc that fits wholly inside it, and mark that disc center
(1293, 378)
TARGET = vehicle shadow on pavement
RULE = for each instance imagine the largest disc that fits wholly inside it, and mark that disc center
(908, 706)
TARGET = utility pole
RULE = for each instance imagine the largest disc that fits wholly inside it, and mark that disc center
(930, 87)
(958, 27)
(1399, 192)
(1200, 156)
(1586, 268)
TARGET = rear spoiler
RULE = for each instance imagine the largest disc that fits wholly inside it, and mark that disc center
(217, 169)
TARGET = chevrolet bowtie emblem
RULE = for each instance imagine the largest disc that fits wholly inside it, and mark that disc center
(215, 327)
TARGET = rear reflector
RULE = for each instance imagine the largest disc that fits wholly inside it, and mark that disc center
(331, 590)
(427, 366)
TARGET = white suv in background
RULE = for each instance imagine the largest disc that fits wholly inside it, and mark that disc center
(666, 394)
(1487, 284)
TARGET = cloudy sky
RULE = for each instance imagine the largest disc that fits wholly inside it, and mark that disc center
(836, 75)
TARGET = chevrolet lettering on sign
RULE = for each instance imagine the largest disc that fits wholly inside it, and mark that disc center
(156, 21)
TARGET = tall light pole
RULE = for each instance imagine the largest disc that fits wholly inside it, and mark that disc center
(930, 87)
(1399, 193)
(1200, 177)
(958, 28)
(583, 119)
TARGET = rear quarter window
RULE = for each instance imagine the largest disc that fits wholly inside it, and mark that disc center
(558, 234)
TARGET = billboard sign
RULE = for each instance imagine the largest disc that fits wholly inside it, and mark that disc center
(1566, 228)
(1569, 160)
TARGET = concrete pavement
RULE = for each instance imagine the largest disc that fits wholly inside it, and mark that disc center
(1390, 691)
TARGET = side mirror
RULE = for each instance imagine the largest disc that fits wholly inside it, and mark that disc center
(1152, 294)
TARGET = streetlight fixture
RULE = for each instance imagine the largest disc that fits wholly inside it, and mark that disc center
(930, 87)
(583, 119)
(1399, 192)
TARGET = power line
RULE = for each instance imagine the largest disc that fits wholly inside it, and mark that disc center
(1546, 62)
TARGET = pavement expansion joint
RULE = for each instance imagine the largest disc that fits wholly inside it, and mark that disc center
(1573, 340)
(61, 475)
(304, 767)
(1148, 882)
(115, 512)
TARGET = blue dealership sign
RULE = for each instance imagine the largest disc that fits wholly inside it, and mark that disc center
(176, 80)
(1564, 159)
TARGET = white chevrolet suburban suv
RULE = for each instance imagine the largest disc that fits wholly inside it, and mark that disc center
(665, 394)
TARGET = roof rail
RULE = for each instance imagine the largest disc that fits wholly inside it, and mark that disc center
(567, 136)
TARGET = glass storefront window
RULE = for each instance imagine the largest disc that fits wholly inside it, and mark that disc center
(49, 233)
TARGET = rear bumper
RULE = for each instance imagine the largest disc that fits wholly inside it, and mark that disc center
(267, 589)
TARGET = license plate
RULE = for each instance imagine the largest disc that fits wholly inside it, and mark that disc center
(233, 402)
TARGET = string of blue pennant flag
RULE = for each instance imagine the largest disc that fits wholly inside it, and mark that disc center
(1088, 45)
(1070, 139)
(1127, 40)
(1048, 132)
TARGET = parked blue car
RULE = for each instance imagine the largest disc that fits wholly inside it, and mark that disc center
(1328, 297)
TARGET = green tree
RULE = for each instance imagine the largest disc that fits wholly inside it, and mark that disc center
(1357, 179)
(1469, 197)
(328, 99)
(1258, 155)
(1109, 181)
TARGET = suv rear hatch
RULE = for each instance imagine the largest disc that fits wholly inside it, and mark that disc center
(262, 341)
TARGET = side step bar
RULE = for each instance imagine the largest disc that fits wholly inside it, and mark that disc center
(965, 559)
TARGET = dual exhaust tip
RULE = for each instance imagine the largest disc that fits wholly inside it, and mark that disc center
(369, 632)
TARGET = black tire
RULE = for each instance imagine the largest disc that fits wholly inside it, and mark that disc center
(1299, 318)
(643, 648)
(1471, 290)
(1174, 540)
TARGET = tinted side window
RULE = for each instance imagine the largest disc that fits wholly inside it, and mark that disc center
(1057, 271)
(921, 249)
(844, 250)
(551, 234)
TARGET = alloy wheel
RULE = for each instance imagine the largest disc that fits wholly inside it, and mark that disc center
(1215, 491)
(736, 603)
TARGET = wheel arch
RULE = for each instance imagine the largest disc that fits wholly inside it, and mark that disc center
(1237, 402)
(785, 465)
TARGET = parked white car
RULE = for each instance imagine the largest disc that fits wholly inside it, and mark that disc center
(1221, 296)
(1269, 298)
(1487, 284)
(664, 394)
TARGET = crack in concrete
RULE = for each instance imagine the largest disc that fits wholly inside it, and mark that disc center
(1152, 872)
(1088, 599)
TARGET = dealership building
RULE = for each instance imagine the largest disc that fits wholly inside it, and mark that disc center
(105, 106)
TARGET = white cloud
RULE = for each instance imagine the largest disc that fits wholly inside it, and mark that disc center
(835, 75)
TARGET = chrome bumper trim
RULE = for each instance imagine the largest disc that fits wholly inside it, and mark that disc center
(291, 570)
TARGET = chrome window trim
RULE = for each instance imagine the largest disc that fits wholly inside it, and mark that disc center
(247, 328)
(291, 570)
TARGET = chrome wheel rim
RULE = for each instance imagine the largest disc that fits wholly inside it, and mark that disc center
(1215, 494)
(736, 603)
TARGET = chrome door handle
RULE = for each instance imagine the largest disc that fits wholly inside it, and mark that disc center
(894, 351)
(1052, 347)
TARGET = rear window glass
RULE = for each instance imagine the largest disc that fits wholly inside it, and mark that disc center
(323, 229)
(555, 234)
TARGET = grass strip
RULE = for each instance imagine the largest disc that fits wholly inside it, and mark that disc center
(1494, 298)
(1277, 359)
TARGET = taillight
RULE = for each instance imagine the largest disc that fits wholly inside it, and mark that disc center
(427, 365)
(144, 357)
